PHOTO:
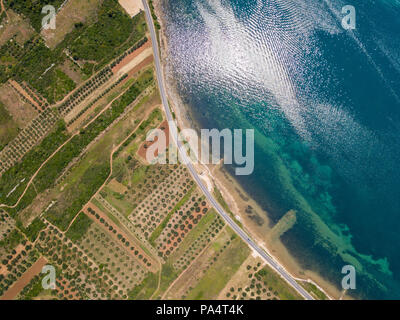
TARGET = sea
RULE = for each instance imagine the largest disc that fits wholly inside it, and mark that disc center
(320, 85)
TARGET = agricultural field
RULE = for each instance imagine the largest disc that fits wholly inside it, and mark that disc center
(112, 34)
(73, 13)
(17, 256)
(7, 224)
(124, 269)
(8, 127)
(125, 239)
(181, 221)
(84, 274)
(155, 207)
(20, 110)
(21, 158)
(89, 35)
(216, 265)
(31, 10)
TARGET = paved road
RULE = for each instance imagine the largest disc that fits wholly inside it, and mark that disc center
(210, 197)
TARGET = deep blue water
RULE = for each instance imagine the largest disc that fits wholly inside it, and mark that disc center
(325, 104)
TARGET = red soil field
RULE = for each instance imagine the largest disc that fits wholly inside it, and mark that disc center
(182, 233)
(18, 249)
(140, 66)
(130, 57)
(16, 288)
(22, 91)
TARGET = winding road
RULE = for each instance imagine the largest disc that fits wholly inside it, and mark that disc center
(174, 133)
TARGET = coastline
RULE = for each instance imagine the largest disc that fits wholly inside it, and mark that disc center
(233, 193)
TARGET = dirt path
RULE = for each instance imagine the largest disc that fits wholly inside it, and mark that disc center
(154, 258)
(159, 281)
(111, 166)
(58, 149)
(3, 9)
(134, 242)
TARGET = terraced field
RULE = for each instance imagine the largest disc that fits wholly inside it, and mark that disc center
(122, 268)
(154, 208)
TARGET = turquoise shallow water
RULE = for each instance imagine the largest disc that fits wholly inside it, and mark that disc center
(325, 104)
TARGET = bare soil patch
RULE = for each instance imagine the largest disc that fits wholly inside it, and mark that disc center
(140, 66)
(117, 187)
(22, 112)
(15, 25)
(133, 58)
(25, 94)
(71, 70)
(132, 7)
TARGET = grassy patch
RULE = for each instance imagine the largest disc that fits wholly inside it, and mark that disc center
(79, 227)
(118, 201)
(313, 290)
(218, 196)
(279, 286)
(145, 289)
(139, 174)
(33, 229)
(62, 85)
(168, 275)
(75, 198)
(8, 127)
(221, 272)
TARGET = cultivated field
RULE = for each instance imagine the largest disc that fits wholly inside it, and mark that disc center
(74, 13)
